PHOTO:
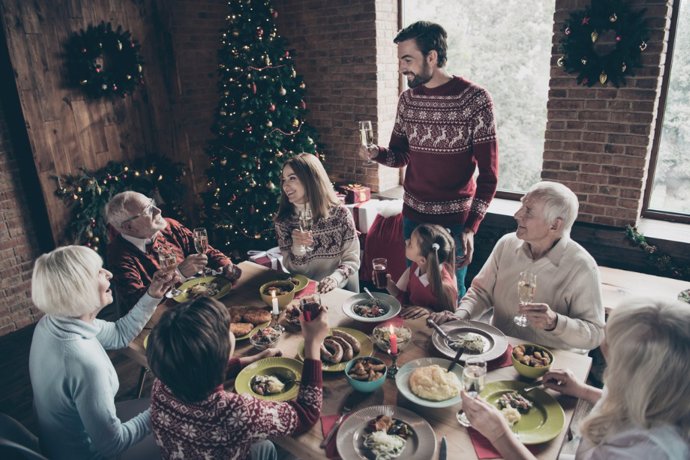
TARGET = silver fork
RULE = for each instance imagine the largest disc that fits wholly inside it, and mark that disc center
(347, 407)
(528, 389)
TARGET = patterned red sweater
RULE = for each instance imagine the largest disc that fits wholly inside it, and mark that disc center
(442, 135)
(133, 270)
(225, 425)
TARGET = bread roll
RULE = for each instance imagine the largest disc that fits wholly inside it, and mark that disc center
(434, 383)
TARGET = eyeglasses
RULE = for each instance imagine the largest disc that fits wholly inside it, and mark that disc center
(148, 210)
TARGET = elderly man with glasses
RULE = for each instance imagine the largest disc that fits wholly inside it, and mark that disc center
(143, 233)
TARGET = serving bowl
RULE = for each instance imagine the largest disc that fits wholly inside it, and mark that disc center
(265, 337)
(366, 386)
(381, 337)
(285, 292)
(530, 360)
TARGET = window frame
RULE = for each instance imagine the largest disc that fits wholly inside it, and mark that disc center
(661, 110)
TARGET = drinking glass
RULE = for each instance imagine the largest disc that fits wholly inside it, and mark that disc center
(366, 135)
(201, 245)
(527, 287)
(168, 261)
(378, 274)
(305, 224)
(473, 375)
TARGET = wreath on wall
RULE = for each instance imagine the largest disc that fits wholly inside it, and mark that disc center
(620, 34)
(105, 62)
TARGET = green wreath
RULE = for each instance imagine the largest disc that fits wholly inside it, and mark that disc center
(105, 62)
(585, 29)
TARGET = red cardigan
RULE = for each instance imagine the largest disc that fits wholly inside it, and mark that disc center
(133, 270)
(443, 135)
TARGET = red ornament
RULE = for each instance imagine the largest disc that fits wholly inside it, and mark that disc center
(274, 14)
(585, 20)
(303, 104)
(248, 129)
(98, 69)
(254, 88)
(287, 53)
(271, 107)
(618, 38)
(259, 32)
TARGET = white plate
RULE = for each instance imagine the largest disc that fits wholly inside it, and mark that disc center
(403, 384)
(495, 341)
(391, 302)
(350, 439)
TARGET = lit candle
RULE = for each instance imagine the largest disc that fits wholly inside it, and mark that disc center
(274, 302)
(393, 339)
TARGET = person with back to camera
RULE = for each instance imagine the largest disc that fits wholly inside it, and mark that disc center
(643, 412)
(444, 132)
(429, 283)
(329, 252)
(73, 380)
(190, 352)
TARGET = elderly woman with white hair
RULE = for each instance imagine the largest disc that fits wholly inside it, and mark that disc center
(567, 311)
(644, 410)
(74, 383)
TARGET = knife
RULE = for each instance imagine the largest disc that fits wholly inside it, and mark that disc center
(455, 360)
(444, 449)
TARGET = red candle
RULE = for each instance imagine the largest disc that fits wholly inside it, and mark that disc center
(393, 339)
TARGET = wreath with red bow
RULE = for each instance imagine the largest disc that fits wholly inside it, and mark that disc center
(604, 42)
(105, 62)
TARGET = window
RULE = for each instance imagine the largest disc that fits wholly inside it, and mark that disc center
(668, 185)
(505, 47)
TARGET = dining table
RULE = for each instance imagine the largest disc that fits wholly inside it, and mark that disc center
(336, 388)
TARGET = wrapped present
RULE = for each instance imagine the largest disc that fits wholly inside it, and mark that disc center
(364, 214)
(271, 258)
(355, 193)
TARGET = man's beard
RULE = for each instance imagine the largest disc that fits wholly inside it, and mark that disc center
(421, 78)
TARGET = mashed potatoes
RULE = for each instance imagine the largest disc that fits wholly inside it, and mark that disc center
(434, 383)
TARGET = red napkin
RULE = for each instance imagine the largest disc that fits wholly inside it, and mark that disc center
(327, 421)
(482, 446)
(310, 288)
(502, 361)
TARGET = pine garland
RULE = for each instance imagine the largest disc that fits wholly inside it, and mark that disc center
(663, 262)
(87, 194)
(584, 30)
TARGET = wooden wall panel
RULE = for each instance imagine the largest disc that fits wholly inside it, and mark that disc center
(68, 131)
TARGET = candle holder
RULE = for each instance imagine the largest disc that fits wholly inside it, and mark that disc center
(393, 368)
(275, 324)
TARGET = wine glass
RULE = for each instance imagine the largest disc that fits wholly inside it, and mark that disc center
(473, 375)
(305, 224)
(366, 134)
(527, 287)
(168, 261)
(201, 245)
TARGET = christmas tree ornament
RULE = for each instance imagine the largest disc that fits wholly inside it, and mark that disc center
(643, 46)
(224, 162)
(560, 61)
(602, 78)
(303, 105)
(295, 122)
(583, 61)
(623, 67)
(254, 88)
(594, 36)
(303, 85)
(269, 123)
(271, 107)
(613, 18)
(282, 91)
(259, 32)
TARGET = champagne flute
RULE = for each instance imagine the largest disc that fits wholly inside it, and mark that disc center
(201, 245)
(168, 261)
(366, 134)
(305, 224)
(473, 375)
(527, 287)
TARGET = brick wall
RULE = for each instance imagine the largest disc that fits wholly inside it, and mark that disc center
(347, 58)
(17, 241)
(598, 139)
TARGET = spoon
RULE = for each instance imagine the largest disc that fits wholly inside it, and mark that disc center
(370, 294)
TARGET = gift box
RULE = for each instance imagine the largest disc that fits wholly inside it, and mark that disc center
(271, 258)
(364, 214)
(355, 193)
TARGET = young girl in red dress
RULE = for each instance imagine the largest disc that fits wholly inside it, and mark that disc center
(429, 283)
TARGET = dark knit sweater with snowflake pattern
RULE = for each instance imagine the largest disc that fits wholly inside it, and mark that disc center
(225, 425)
(443, 135)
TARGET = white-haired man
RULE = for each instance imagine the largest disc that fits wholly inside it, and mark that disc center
(143, 232)
(567, 311)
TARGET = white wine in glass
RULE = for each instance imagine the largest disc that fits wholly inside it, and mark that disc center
(201, 245)
(168, 261)
(305, 224)
(366, 134)
(527, 287)
(473, 375)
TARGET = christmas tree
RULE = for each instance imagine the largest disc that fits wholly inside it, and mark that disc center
(259, 124)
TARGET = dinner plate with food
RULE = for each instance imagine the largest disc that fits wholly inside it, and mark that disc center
(340, 346)
(215, 287)
(426, 382)
(246, 321)
(479, 340)
(535, 416)
(271, 379)
(363, 308)
(386, 432)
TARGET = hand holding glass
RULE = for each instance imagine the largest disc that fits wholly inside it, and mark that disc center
(378, 274)
(168, 261)
(527, 287)
(366, 134)
(473, 375)
(305, 223)
(201, 245)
